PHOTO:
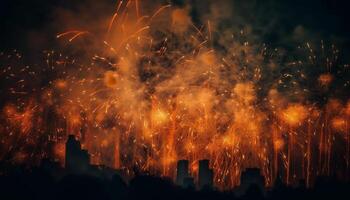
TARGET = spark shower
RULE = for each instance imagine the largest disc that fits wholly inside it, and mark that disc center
(148, 85)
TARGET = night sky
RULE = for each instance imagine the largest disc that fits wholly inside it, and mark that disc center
(23, 21)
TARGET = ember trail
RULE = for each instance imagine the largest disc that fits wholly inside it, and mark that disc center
(147, 86)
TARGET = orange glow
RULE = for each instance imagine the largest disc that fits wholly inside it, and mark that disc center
(60, 151)
(278, 144)
(294, 114)
(245, 91)
(159, 116)
(180, 20)
(325, 79)
(110, 79)
(61, 84)
(347, 109)
(339, 124)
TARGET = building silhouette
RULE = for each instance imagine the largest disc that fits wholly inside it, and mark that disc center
(205, 175)
(77, 160)
(182, 172)
(278, 183)
(189, 183)
(251, 177)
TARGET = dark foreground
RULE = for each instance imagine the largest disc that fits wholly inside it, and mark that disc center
(39, 184)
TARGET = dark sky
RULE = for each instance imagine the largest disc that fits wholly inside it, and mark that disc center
(21, 19)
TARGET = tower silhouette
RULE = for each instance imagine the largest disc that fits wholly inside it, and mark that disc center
(77, 160)
(205, 175)
(182, 172)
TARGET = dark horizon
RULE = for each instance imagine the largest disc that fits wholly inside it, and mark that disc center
(79, 179)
